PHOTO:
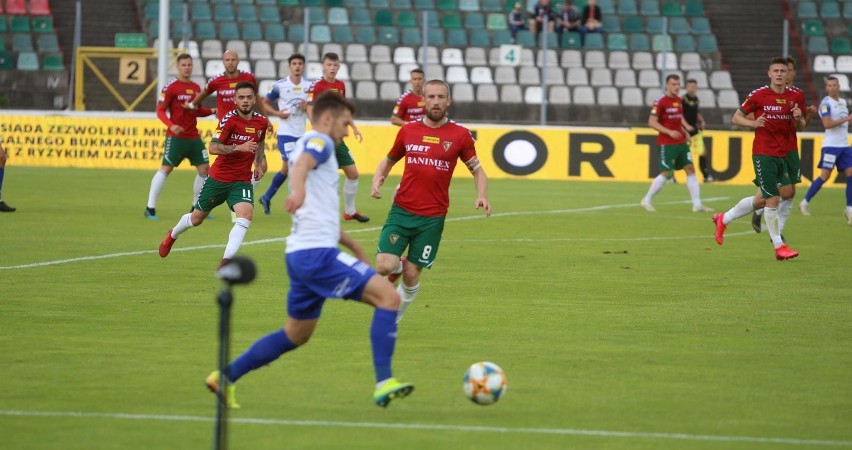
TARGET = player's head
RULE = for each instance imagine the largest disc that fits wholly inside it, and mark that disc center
(296, 61)
(330, 66)
(791, 70)
(436, 97)
(673, 85)
(332, 115)
(832, 86)
(691, 87)
(778, 71)
(231, 61)
(417, 80)
(184, 66)
(244, 97)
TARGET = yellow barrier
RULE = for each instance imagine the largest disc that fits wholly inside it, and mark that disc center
(542, 153)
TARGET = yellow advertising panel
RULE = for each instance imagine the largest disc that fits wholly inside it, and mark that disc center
(542, 153)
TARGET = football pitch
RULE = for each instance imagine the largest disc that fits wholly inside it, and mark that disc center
(617, 328)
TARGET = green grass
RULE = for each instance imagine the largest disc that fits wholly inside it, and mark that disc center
(610, 319)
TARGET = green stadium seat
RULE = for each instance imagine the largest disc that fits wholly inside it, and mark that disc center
(152, 11)
(6, 60)
(19, 24)
(355, 4)
(497, 21)
(361, 17)
(473, 20)
(847, 10)
(627, 8)
(701, 25)
(205, 30)
(436, 37)
(501, 37)
(684, 43)
(270, 14)
(526, 39)
(388, 36)
(594, 41)
(849, 32)
(480, 38)
(335, 3)
(249, 14)
(267, 2)
(662, 42)
(633, 24)
(252, 31)
(448, 5)
(694, 8)
(244, 2)
(338, 16)
(492, 5)
(707, 44)
(451, 20)
(571, 40)
(22, 42)
(288, 2)
(28, 61)
(649, 7)
(43, 24)
(229, 31)
(654, 25)
(407, 19)
(343, 34)
(639, 42)
(366, 35)
(384, 17)
(316, 16)
(818, 44)
(424, 5)
(841, 46)
(404, 5)
(611, 24)
(274, 32)
(552, 41)
(176, 10)
(457, 38)
(313, 3)
(616, 41)
(679, 25)
(607, 6)
(672, 8)
(3, 24)
(829, 10)
(178, 29)
(808, 10)
(411, 36)
(296, 32)
(47, 43)
(320, 34)
(813, 28)
(223, 13)
(432, 17)
(201, 11)
(469, 5)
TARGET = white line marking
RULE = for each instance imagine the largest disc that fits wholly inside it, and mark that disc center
(364, 230)
(434, 427)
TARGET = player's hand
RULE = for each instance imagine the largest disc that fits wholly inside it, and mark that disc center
(674, 134)
(249, 146)
(690, 128)
(760, 122)
(812, 109)
(358, 136)
(378, 181)
(797, 113)
(188, 105)
(294, 201)
(258, 173)
(483, 203)
(303, 105)
(176, 129)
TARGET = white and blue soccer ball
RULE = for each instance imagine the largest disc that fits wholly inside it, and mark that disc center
(484, 383)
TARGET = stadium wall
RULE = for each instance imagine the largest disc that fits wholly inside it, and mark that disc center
(135, 141)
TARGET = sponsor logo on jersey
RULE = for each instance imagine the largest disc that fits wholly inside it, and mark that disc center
(676, 104)
(781, 101)
(421, 104)
(297, 89)
(190, 91)
(250, 130)
(316, 144)
(431, 139)
(447, 145)
(232, 85)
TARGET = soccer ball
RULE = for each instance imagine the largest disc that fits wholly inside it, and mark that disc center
(484, 383)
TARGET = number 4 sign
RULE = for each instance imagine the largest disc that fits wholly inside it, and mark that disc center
(510, 55)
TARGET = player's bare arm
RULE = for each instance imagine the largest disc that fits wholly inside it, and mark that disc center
(347, 241)
(259, 160)
(198, 99)
(358, 136)
(480, 180)
(381, 174)
(270, 110)
(218, 148)
(740, 119)
(799, 118)
(298, 176)
(396, 120)
(654, 123)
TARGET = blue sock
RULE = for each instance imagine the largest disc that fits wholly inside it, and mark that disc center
(262, 352)
(383, 338)
(2, 169)
(277, 181)
(848, 189)
(815, 187)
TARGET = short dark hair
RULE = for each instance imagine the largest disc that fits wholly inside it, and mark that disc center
(295, 56)
(331, 55)
(183, 56)
(331, 101)
(243, 85)
(672, 76)
(791, 61)
(832, 78)
(779, 60)
(691, 80)
(418, 70)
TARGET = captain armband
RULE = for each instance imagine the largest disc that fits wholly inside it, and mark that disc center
(473, 164)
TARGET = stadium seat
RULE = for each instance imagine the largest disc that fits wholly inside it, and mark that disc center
(424, 5)
(684, 43)
(670, 61)
(633, 24)
(283, 68)
(649, 7)
(662, 42)
(627, 8)
(432, 18)
(533, 95)
(407, 19)
(843, 80)
(260, 50)
(616, 41)
(388, 36)
(40, 8)
(380, 54)
(475, 56)
(404, 55)
(448, 5)
(451, 20)
(487, 93)
(649, 78)
(672, 8)
(679, 25)
(643, 60)
(16, 7)
(229, 31)
(238, 46)
(594, 41)
(433, 71)
(311, 54)
(366, 90)
(270, 14)
(401, 4)
(553, 75)
(694, 8)
(375, 4)
(844, 64)
(19, 24)
(813, 28)
(701, 25)
(721, 79)
(511, 93)
(700, 78)
(505, 75)
(608, 96)
(654, 25)
(265, 68)
(559, 95)
(480, 38)
(389, 90)
(652, 94)
(436, 37)
(728, 99)
(198, 11)
(223, 13)
(618, 60)
(527, 57)
(571, 40)
(22, 42)
(313, 70)
(601, 77)
(463, 92)
(639, 42)
(333, 47)
(584, 95)
(316, 16)
(412, 36)
(338, 16)
(496, 21)
(808, 10)
(611, 24)
(251, 31)
(469, 5)
(706, 98)
(571, 58)
(625, 78)
(343, 34)
(847, 10)
(6, 60)
(481, 75)
(458, 38)
(841, 46)
(53, 62)
(594, 59)
(707, 44)
(549, 58)
(211, 49)
(28, 61)
(474, 20)
(361, 17)
(356, 53)
(384, 17)
(320, 34)
(525, 39)
(632, 96)
(365, 35)
(607, 6)
(529, 76)
(829, 10)
(492, 6)
(577, 76)
(362, 71)
(273, 32)
(47, 43)
(690, 61)
(449, 57)
(288, 2)
(3, 26)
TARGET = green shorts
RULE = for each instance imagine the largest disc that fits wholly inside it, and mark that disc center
(420, 234)
(770, 173)
(794, 166)
(344, 157)
(177, 149)
(214, 193)
(675, 157)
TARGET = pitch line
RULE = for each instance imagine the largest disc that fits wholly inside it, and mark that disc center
(436, 427)
(361, 230)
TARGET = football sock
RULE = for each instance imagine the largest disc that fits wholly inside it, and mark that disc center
(743, 208)
(350, 188)
(406, 296)
(702, 166)
(694, 189)
(656, 185)
(771, 217)
(758, 211)
(815, 187)
(383, 339)
(157, 184)
(235, 239)
(2, 171)
(848, 188)
(277, 181)
(262, 352)
(784, 208)
(196, 188)
(183, 224)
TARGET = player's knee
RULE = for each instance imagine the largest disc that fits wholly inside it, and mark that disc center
(386, 263)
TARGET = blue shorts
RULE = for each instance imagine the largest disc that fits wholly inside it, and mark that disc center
(835, 156)
(286, 145)
(318, 274)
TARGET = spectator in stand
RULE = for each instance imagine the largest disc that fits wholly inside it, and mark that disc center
(592, 20)
(517, 20)
(541, 10)
(568, 19)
